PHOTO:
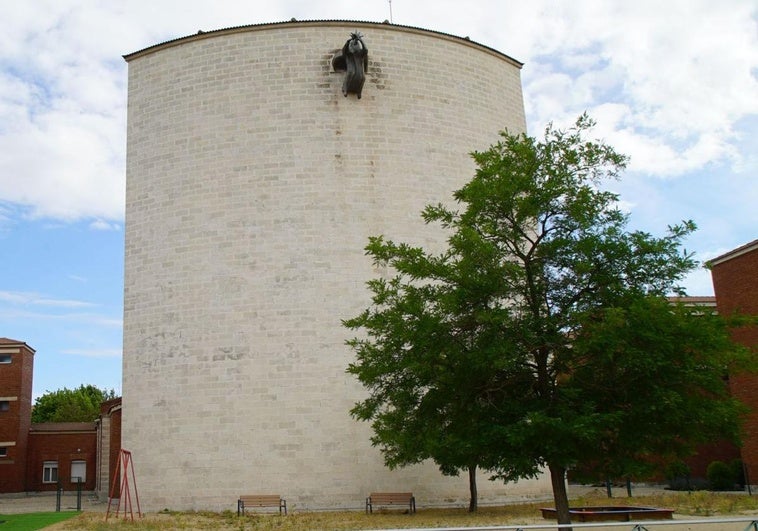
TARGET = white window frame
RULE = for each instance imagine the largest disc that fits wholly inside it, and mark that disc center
(50, 472)
(83, 464)
(3, 451)
(5, 358)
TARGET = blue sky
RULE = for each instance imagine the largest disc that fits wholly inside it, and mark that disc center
(672, 84)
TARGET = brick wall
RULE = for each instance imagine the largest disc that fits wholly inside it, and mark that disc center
(29, 446)
(735, 282)
(63, 443)
(109, 446)
(16, 389)
(114, 478)
(723, 451)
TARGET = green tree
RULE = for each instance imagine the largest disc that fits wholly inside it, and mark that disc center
(428, 361)
(492, 352)
(649, 366)
(70, 405)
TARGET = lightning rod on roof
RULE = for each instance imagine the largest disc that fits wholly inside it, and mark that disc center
(390, 2)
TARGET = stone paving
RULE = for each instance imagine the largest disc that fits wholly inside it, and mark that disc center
(46, 502)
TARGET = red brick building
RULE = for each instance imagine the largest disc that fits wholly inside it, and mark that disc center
(39, 457)
(16, 368)
(108, 447)
(724, 451)
(735, 282)
(61, 452)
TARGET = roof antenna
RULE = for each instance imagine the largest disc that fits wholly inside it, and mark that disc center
(390, 2)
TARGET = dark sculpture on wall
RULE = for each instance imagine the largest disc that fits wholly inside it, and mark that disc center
(354, 59)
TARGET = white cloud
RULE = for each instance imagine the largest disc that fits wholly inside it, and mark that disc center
(35, 299)
(79, 318)
(14, 297)
(685, 71)
(100, 224)
(62, 303)
(674, 78)
(64, 166)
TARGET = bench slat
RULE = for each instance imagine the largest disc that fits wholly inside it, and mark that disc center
(272, 499)
(391, 498)
(261, 500)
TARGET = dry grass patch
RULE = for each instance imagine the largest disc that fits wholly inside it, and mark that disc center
(698, 503)
(685, 504)
(342, 520)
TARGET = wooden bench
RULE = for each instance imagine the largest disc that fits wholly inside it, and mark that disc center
(260, 500)
(391, 498)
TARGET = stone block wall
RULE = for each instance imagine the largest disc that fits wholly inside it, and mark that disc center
(252, 188)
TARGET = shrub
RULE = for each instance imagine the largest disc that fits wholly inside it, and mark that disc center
(678, 476)
(720, 476)
(688, 484)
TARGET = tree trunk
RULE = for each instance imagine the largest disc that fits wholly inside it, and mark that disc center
(473, 502)
(560, 494)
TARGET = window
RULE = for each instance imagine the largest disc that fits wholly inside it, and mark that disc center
(78, 471)
(5, 358)
(50, 472)
(5, 405)
(3, 451)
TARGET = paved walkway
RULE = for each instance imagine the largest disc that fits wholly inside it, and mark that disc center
(45, 502)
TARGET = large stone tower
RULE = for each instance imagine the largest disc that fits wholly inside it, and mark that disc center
(253, 185)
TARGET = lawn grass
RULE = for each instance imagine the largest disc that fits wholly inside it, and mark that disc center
(32, 521)
(685, 504)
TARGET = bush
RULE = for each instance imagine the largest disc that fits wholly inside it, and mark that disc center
(678, 476)
(688, 484)
(721, 476)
